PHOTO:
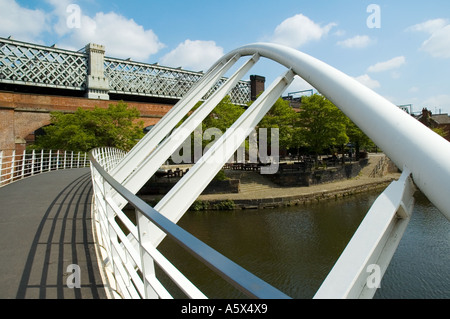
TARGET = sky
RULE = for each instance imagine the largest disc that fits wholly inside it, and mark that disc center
(398, 48)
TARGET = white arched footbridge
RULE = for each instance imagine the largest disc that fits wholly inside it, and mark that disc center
(129, 258)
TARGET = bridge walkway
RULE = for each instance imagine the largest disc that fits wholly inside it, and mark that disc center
(45, 227)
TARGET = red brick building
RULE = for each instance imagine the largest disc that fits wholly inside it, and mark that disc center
(432, 121)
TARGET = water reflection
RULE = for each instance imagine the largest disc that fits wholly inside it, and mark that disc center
(294, 248)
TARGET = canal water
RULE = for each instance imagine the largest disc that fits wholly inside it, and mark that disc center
(294, 248)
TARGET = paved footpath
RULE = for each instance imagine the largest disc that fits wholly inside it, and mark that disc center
(270, 191)
(45, 228)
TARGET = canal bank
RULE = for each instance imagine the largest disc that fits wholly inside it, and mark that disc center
(282, 197)
(257, 191)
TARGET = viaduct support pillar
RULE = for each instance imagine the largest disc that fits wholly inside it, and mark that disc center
(97, 83)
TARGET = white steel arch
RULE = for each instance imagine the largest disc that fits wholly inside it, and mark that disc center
(418, 151)
(406, 141)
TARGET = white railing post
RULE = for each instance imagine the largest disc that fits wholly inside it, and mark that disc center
(1, 167)
(13, 165)
(104, 219)
(50, 161)
(33, 161)
(24, 161)
(42, 161)
(147, 263)
(112, 236)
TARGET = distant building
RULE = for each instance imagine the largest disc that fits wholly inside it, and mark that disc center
(435, 121)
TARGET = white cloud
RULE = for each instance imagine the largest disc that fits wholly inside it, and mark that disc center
(298, 30)
(298, 85)
(357, 42)
(339, 33)
(60, 8)
(388, 65)
(366, 80)
(122, 37)
(438, 44)
(22, 23)
(429, 26)
(438, 102)
(195, 55)
(413, 89)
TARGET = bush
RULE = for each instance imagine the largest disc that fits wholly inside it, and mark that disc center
(224, 205)
(221, 176)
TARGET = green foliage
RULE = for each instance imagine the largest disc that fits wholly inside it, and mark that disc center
(440, 131)
(318, 126)
(84, 130)
(323, 124)
(358, 138)
(200, 205)
(283, 117)
(220, 176)
(221, 118)
(224, 205)
(223, 115)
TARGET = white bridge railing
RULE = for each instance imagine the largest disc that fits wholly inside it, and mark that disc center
(130, 256)
(129, 259)
(18, 165)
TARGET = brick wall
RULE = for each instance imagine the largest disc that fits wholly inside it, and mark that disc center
(22, 113)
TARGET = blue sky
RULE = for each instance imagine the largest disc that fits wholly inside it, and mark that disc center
(405, 57)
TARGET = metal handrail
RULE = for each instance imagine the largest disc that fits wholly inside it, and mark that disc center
(240, 278)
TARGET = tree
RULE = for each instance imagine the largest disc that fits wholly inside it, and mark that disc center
(212, 128)
(358, 138)
(283, 117)
(84, 130)
(323, 124)
(223, 116)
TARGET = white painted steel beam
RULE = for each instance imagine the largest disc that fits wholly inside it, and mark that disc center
(151, 140)
(143, 172)
(178, 200)
(372, 246)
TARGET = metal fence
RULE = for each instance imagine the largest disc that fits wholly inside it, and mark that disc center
(37, 65)
(18, 165)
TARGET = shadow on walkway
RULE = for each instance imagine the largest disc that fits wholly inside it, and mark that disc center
(61, 253)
